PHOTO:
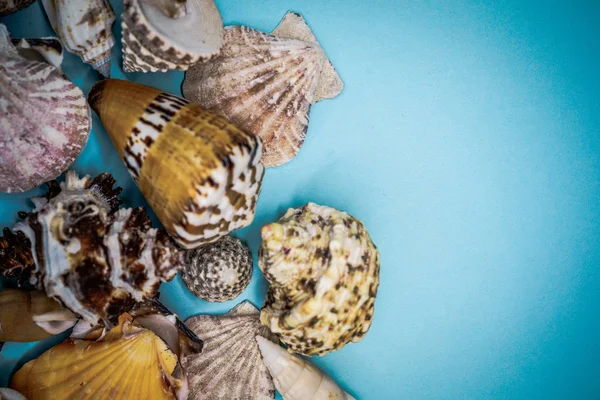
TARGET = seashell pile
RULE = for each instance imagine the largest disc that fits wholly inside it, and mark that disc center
(85, 29)
(98, 261)
(324, 273)
(161, 35)
(218, 271)
(47, 49)
(44, 117)
(129, 362)
(296, 378)
(266, 84)
(230, 367)
(200, 174)
(11, 6)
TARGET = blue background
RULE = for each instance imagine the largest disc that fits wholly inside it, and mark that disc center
(468, 141)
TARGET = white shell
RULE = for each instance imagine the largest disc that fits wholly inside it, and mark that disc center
(46, 49)
(10, 394)
(85, 28)
(266, 84)
(296, 378)
(230, 365)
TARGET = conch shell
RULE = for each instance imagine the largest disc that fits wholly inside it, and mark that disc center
(11, 6)
(296, 378)
(85, 28)
(160, 35)
(324, 273)
(129, 362)
(44, 119)
(96, 260)
(200, 174)
(29, 316)
(266, 84)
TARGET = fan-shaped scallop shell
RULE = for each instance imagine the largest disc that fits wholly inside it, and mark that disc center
(11, 6)
(200, 173)
(44, 120)
(324, 272)
(161, 35)
(230, 366)
(130, 362)
(85, 28)
(266, 84)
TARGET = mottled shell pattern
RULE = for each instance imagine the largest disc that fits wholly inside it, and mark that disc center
(44, 120)
(230, 367)
(129, 362)
(94, 259)
(200, 173)
(162, 35)
(266, 84)
(324, 272)
(218, 271)
(46, 49)
(11, 6)
(85, 29)
(297, 379)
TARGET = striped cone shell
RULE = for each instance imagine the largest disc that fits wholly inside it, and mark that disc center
(200, 173)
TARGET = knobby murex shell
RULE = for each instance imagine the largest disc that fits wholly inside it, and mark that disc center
(85, 28)
(44, 120)
(266, 84)
(200, 173)
(324, 272)
(230, 366)
(11, 6)
(96, 260)
(297, 379)
(161, 35)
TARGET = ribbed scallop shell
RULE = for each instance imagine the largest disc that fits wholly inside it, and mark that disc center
(230, 366)
(11, 6)
(85, 28)
(324, 272)
(44, 120)
(266, 84)
(162, 35)
(200, 173)
(130, 362)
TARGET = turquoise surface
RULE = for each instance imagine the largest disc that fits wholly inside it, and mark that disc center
(468, 141)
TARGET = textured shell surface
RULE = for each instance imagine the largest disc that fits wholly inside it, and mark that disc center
(85, 28)
(266, 84)
(44, 120)
(297, 379)
(163, 34)
(129, 362)
(47, 49)
(200, 173)
(11, 6)
(324, 272)
(94, 259)
(230, 367)
(218, 271)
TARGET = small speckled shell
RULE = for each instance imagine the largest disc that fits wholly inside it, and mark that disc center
(324, 273)
(266, 84)
(230, 365)
(200, 173)
(218, 271)
(11, 6)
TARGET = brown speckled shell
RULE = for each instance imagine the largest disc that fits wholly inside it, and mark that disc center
(11, 6)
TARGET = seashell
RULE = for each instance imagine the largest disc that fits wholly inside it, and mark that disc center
(230, 367)
(11, 6)
(161, 35)
(98, 261)
(218, 271)
(129, 362)
(9, 394)
(85, 28)
(44, 117)
(296, 378)
(31, 316)
(46, 49)
(324, 273)
(266, 84)
(200, 174)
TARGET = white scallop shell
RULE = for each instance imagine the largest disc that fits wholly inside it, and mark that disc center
(230, 365)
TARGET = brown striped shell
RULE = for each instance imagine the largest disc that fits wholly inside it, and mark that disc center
(200, 173)
(44, 120)
(324, 272)
(266, 84)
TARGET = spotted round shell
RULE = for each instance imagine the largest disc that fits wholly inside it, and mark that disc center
(219, 271)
